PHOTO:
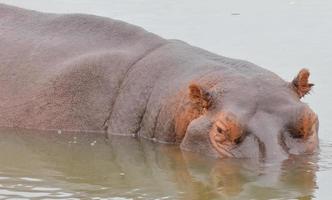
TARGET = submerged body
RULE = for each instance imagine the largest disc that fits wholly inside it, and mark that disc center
(87, 73)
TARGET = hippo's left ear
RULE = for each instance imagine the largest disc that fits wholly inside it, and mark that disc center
(200, 96)
(301, 83)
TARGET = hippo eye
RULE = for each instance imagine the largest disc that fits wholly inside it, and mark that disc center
(304, 126)
(241, 138)
(238, 140)
(219, 130)
(296, 134)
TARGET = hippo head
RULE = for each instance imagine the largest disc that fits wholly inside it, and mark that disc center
(245, 117)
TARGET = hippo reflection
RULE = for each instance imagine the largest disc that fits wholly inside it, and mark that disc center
(131, 168)
(88, 73)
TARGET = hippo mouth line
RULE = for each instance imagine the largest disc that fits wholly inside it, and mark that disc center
(224, 151)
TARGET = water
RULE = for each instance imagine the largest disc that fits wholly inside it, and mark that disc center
(281, 35)
(48, 165)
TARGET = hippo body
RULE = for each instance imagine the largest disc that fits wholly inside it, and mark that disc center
(78, 72)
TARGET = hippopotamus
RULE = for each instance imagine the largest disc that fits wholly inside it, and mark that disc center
(78, 72)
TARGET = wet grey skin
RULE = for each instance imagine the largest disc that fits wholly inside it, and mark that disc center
(76, 72)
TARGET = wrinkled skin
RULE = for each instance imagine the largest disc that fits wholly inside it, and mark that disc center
(86, 73)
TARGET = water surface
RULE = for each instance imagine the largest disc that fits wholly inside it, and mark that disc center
(281, 35)
(44, 165)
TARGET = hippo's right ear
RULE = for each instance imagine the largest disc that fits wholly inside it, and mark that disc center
(200, 96)
(301, 83)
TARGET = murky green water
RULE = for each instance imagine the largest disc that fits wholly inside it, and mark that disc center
(281, 35)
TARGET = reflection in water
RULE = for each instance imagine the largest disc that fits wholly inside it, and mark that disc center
(61, 166)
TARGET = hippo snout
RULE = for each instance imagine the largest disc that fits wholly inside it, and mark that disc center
(264, 136)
